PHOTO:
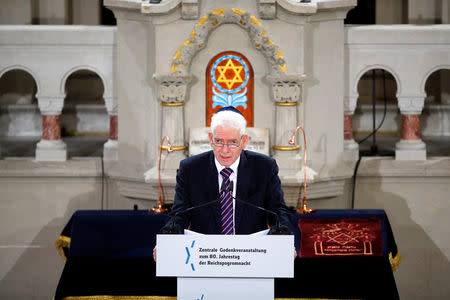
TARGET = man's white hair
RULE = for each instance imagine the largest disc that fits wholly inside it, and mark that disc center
(228, 118)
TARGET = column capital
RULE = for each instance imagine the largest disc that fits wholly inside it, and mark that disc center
(267, 9)
(50, 105)
(172, 89)
(411, 105)
(285, 88)
(350, 105)
(111, 105)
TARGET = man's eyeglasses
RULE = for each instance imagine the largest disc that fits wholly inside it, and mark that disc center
(221, 144)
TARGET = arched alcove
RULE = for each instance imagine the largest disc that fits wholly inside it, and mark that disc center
(84, 119)
(382, 84)
(435, 117)
(20, 119)
(437, 87)
(17, 87)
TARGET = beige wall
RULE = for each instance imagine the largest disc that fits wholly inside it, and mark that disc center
(25, 12)
(16, 12)
(415, 197)
(37, 200)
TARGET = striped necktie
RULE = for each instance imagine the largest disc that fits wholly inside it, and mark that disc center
(226, 203)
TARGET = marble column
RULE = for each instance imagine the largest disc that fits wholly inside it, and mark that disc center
(51, 147)
(286, 93)
(172, 95)
(351, 148)
(411, 146)
(110, 148)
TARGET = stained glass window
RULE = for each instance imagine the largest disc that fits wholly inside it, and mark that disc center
(229, 82)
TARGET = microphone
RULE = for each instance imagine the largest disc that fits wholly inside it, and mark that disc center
(274, 230)
(175, 228)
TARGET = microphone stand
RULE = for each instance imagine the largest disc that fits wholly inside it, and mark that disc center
(174, 228)
(274, 230)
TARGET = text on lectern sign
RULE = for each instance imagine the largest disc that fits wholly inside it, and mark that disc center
(224, 256)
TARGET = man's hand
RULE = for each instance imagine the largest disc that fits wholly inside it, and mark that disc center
(154, 253)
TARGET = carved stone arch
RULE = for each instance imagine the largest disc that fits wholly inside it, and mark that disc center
(428, 74)
(25, 69)
(372, 67)
(202, 29)
(106, 87)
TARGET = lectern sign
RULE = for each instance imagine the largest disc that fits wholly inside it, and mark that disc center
(225, 256)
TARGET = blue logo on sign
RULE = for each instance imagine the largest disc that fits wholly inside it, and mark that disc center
(188, 257)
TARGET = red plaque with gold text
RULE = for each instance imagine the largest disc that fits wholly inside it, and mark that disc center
(340, 237)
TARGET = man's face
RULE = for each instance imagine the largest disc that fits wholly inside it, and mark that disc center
(227, 136)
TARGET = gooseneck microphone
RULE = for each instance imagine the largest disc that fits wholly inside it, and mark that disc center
(174, 228)
(274, 230)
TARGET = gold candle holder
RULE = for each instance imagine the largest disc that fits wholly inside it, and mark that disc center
(160, 207)
(303, 207)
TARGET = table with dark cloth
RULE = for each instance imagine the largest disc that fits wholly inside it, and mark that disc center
(109, 255)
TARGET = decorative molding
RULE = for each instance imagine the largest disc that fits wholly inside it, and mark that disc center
(285, 88)
(267, 9)
(189, 9)
(50, 105)
(172, 89)
(51, 150)
(174, 148)
(111, 150)
(298, 8)
(411, 105)
(286, 103)
(410, 150)
(286, 148)
(172, 103)
(323, 188)
(350, 104)
(157, 8)
(202, 29)
(112, 105)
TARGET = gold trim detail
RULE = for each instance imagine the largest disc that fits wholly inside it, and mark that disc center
(174, 148)
(395, 261)
(172, 103)
(196, 43)
(112, 297)
(286, 148)
(286, 103)
(62, 242)
(312, 299)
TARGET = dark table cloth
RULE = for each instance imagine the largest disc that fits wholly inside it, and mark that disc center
(109, 253)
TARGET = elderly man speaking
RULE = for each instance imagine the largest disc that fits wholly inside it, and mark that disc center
(240, 181)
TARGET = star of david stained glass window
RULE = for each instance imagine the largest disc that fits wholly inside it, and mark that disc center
(229, 82)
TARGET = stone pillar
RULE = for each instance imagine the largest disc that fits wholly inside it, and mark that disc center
(423, 12)
(53, 12)
(286, 93)
(411, 146)
(110, 148)
(172, 95)
(351, 148)
(51, 147)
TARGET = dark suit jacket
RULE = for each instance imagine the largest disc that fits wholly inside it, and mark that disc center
(257, 183)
